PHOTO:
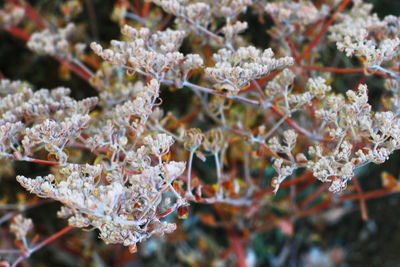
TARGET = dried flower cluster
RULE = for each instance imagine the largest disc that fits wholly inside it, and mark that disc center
(156, 54)
(21, 226)
(234, 70)
(200, 16)
(124, 161)
(362, 34)
(56, 43)
(11, 15)
(301, 13)
(123, 198)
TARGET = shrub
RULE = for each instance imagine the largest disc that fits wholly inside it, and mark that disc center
(189, 112)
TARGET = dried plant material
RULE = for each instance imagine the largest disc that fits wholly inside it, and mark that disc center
(21, 226)
(233, 71)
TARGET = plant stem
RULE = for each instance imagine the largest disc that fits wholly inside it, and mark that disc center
(42, 244)
(218, 167)
(189, 172)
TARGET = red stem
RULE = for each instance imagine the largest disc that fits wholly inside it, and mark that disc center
(291, 122)
(372, 194)
(318, 37)
(313, 195)
(363, 205)
(334, 70)
(44, 162)
(237, 247)
(51, 238)
(293, 49)
(42, 244)
(17, 32)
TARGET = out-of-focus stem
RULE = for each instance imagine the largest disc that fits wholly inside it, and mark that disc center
(48, 240)
(218, 167)
(189, 173)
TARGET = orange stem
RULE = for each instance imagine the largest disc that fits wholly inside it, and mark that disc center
(334, 70)
(146, 9)
(372, 194)
(315, 209)
(321, 33)
(237, 247)
(313, 195)
(17, 32)
(363, 205)
(291, 122)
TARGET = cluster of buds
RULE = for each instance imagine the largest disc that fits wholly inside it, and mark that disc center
(11, 15)
(343, 123)
(349, 123)
(235, 70)
(124, 210)
(154, 54)
(52, 43)
(214, 141)
(54, 119)
(139, 108)
(197, 16)
(362, 34)
(283, 168)
(55, 135)
(21, 226)
(193, 139)
(291, 14)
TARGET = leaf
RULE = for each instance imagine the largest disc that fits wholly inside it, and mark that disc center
(178, 187)
(195, 182)
(183, 212)
(132, 248)
(207, 219)
(64, 72)
(209, 190)
(228, 186)
(388, 180)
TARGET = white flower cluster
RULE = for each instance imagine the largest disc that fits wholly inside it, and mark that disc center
(315, 88)
(201, 18)
(362, 34)
(344, 122)
(140, 108)
(235, 70)
(280, 87)
(53, 117)
(11, 15)
(55, 135)
(125, 192)
(350, 123)
(155, 54)
(52, 43)
(283, 168)
(127, 118)
(20, 226)
(280, 84)
(122, 201)
(231, 31)
(201, 13)
(301, 13)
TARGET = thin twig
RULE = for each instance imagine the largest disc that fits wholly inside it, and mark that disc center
(48, 240)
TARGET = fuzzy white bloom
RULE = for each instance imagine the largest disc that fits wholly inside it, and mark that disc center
(52, 43)
(20, 226)
(232, 71)
(159, 144)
